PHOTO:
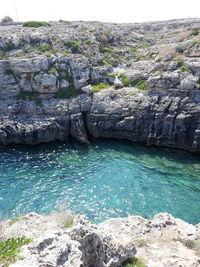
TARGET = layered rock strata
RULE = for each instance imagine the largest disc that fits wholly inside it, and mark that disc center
(170, 118)
(42, 70)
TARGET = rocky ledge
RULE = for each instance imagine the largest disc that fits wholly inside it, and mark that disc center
(59, 240)
(170, 118)
(147, 75)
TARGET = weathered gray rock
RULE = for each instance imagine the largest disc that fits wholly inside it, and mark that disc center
(158, 242)
(163, 120)
(117, 83)
(87, 89)
(169, 118)
(37, 63)
(166, 81)
(29, 65)
(188, 82)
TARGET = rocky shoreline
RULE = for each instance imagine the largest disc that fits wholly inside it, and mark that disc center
(170, 119)
(161, 242)
(86, 80)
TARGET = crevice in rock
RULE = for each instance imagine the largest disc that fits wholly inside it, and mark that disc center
(86, 125)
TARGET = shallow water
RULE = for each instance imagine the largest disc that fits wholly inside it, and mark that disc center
(109, 178)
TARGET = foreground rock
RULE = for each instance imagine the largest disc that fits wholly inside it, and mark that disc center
(159, 242)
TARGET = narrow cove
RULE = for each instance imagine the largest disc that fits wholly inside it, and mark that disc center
(107, 179)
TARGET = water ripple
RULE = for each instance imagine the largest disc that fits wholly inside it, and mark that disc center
(106, 179)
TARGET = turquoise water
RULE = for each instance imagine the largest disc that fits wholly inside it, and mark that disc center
(109, 178)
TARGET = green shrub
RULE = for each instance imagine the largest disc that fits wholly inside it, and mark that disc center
(112, 74)
(9, 46)
(10, 249)
(133, 49)
(180, 62)
(138, 58)
(30, 96)
(132, 93)
(96, 88)
(140, 84)
(65, 75)
(47, 54)
(184, 68)
(103, 49)
(66, 92)
(74, 45)
(124, 80)
(52, 70)
(87, 41)
(65, 54)
(44, 48)
(69, 223)
(142, 44)
(35, 24)
(134, 262)
(194, 32)
(194, 43)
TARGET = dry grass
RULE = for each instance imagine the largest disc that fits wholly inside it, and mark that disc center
(179, 57)
(64, 218)
(182, 37)
(167, 50)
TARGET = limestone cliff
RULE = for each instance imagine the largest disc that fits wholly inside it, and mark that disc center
(50, 75)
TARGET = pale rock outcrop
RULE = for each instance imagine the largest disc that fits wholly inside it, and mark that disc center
(168, 119)
(46, 83)
(117, 83)
(159, 242)
(87, 89)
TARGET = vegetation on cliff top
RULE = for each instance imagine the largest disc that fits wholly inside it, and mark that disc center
(35, 24)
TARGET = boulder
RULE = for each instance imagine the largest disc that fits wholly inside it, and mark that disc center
(87, 89)
(117, 83)
(45, 83)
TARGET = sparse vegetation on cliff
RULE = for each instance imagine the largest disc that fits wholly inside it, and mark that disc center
(74, 45)
(124, 79)
(31, 96)
(66, 92)
(134, 262)
(10, 249)
(140, 84)
(35, 24)
(96, 88)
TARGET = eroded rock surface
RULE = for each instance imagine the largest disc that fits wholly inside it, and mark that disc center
(160, 242)
(168, 119)
(156, 64)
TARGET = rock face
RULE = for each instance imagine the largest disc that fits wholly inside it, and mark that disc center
(42, 69)
(156, 119)
(160, 242)
(168, 119)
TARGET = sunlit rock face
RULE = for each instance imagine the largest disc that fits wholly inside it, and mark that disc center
(159, 242)
(148, 76)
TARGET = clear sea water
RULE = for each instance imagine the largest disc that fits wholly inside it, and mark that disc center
(109, 178)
